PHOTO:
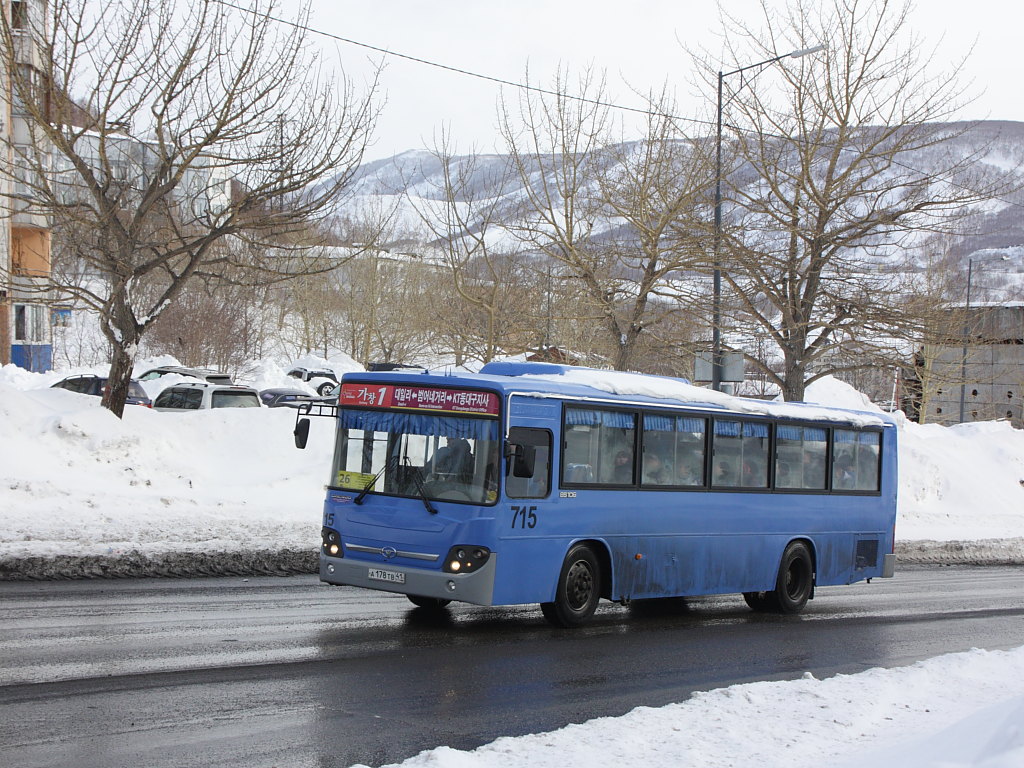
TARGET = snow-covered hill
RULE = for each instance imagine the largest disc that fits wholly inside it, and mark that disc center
(998, 145)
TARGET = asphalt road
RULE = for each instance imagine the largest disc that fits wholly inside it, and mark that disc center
(287, 672)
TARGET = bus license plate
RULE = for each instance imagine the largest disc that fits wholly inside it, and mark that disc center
(395, 577)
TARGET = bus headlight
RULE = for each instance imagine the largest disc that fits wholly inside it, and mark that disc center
(330, 543)
(465, 559)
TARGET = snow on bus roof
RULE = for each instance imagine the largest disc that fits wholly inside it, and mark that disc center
(678, 390)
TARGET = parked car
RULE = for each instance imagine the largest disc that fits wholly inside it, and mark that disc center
(203, 374)
(91, 384)
(319, 379)
(276, 397)
(194, 396)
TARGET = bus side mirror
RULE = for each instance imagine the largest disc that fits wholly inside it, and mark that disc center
(523, 458)
(301, 432)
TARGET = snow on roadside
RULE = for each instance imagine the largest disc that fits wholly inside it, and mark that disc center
(75, 480)
(953, 711)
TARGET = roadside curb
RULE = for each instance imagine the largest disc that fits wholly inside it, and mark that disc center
(288, 562)
(180, 565)
(980, 552)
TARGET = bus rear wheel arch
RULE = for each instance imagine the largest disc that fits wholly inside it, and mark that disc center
(794, 584)
(579, 588)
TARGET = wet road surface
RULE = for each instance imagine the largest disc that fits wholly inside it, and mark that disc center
(288, 672)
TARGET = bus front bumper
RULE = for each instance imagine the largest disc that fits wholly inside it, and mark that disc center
(477, 588)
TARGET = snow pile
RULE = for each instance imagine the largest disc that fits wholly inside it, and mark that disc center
(954, 711)
(75, 480)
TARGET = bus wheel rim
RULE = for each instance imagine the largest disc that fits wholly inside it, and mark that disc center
(579, 585)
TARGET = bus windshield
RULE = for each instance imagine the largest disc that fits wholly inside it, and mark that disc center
(441, 457)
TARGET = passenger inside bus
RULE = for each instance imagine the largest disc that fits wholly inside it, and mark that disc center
(622, 471)
(753, 474)
(725, 473)
(843, 476)
(654, 471)
(688, 471)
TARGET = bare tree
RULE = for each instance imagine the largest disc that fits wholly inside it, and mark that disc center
(844, 159)
(468, 217)
(617, 217)
(172, 127)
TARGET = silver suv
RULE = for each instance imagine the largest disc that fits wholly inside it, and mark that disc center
(194, 396)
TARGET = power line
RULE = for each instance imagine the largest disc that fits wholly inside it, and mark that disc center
(466, 72)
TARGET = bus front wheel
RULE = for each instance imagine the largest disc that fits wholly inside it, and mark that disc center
(578, 589)
(793, 586)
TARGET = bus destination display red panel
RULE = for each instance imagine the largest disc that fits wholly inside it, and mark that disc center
(419, 398)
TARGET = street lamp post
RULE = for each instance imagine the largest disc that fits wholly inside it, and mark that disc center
(963, 351)
(716, 306)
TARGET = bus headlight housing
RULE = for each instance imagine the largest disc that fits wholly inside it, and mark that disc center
(330, 543)
(465, 559)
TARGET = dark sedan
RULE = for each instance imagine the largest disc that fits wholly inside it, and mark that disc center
(277, 397)
(91, 384)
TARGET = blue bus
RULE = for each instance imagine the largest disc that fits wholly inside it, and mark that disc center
(558, 485)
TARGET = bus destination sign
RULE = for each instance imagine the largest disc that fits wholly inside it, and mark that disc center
(419, 398)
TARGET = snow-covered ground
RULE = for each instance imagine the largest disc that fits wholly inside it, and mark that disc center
(76, 481)
(955, 711)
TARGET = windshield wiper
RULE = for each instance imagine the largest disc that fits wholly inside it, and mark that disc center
(373, 480)
(417, 476)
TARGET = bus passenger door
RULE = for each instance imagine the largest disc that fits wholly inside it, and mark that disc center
(528, 471)
(526, 531)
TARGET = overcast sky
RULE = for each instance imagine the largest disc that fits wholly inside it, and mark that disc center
(639, 44)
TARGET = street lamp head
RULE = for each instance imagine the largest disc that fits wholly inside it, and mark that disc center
(806, 51)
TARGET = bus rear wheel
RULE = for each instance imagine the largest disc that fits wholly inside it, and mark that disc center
(430, 603)
(578, 589)
(796, 578)
(793, 586)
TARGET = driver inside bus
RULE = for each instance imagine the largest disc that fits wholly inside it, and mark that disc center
(455, 460)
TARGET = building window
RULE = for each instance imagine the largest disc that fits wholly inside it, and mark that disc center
(19, 13)
(30, 323)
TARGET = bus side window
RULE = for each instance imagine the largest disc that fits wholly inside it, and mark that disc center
(599, 446)
(740, 452)
(526, 479)
(800, 454)
(867, 461)
(855, 460)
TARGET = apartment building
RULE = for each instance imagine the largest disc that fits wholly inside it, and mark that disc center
(25, 300)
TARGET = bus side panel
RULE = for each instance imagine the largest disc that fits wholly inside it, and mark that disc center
(694, 565)
(712, 543)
